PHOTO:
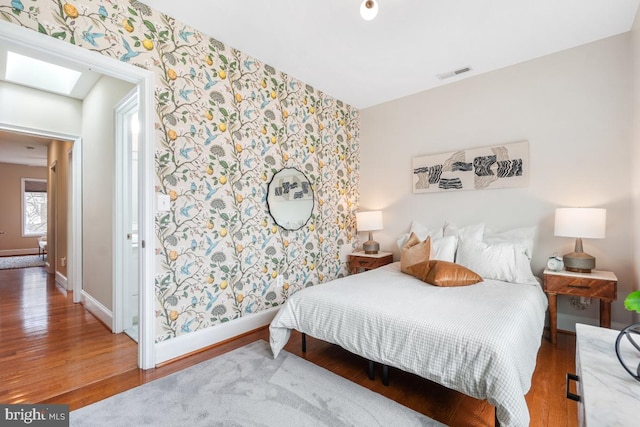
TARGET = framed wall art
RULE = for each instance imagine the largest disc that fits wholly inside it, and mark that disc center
(496, 166)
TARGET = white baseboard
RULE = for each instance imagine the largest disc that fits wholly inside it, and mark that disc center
(188, 343)
(61, 280)
(568, 322)
(16, 252)
(97, 309)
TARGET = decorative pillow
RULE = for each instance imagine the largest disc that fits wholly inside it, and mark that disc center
(414, 252)
(443, 273)
(524, 236)
(421, 232)
(475, 231)
(500, 261)
(444, 248)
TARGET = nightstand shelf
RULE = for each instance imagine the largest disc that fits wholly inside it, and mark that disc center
(360, 260)
(597, 284)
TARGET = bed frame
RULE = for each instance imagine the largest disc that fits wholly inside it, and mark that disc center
(385, 374)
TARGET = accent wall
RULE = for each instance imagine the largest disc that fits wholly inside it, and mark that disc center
(226, 122)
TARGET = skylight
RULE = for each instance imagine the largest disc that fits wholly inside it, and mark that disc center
(40, 74)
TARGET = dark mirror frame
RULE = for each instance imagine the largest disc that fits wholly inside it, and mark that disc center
(270, 202)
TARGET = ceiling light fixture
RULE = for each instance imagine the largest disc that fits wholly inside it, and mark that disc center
(369, 9)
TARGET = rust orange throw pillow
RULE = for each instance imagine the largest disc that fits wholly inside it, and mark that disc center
(414, 252)
(444, 273)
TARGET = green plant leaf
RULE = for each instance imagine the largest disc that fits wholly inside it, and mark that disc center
(632, 302)
(150, 26)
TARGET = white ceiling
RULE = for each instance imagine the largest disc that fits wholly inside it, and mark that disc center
(13, 146)
(326, 44)
(13, 149)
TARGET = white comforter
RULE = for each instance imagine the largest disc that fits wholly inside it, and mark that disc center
(481, 340)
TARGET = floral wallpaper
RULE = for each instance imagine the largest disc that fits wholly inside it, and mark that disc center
(225, 123)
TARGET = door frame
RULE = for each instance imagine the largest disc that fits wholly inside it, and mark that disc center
(74, 227)
(145, 82)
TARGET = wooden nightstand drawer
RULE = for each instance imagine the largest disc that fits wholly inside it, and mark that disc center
(360, 260)
(592, 288)
(597, 284)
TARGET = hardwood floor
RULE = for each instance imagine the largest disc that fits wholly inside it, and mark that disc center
(54, 351)
(50, 345)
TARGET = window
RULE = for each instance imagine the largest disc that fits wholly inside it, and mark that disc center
(34, 207)
(40, 74)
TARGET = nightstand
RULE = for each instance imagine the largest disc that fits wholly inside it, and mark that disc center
(360, 260)
(597, 284)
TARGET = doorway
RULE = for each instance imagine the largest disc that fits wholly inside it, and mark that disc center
(51, 48)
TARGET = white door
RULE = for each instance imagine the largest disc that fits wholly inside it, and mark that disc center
(127, 239)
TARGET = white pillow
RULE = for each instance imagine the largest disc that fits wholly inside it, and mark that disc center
(500, 261)
(524, 236)
(444, 248)
(475, 231)
(421, 232)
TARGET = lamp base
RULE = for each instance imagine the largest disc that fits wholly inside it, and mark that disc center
(371, 247)
(579, 262)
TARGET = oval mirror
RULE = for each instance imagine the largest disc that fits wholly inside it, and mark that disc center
(290, 198)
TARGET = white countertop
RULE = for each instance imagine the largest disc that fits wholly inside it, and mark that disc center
(595, 274)
(611, 397)
(378, 255)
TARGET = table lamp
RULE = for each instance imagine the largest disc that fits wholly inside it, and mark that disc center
(588, 223)
(369, 221)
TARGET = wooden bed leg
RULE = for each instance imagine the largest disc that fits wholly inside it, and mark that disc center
(304, 342)
(385, 375)
(372, 375)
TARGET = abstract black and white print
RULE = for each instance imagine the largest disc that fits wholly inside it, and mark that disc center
(498, 166)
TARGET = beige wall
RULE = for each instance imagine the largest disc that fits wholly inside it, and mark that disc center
(32, 108)
(12, 242)
(574, 108)
(58, 202)
(635, 157)
(98, 172)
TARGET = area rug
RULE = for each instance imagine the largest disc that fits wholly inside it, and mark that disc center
(9, 262)
(248, 387)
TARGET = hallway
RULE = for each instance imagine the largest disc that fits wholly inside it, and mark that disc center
(50, 345)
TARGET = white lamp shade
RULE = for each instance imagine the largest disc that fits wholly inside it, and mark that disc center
(587, 223)
(369, 221)
(368, 13)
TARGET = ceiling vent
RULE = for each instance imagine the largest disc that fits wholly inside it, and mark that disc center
(453, 73)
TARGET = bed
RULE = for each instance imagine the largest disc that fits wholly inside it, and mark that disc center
(481, 340)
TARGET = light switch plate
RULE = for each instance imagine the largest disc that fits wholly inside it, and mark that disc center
(164, 203)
